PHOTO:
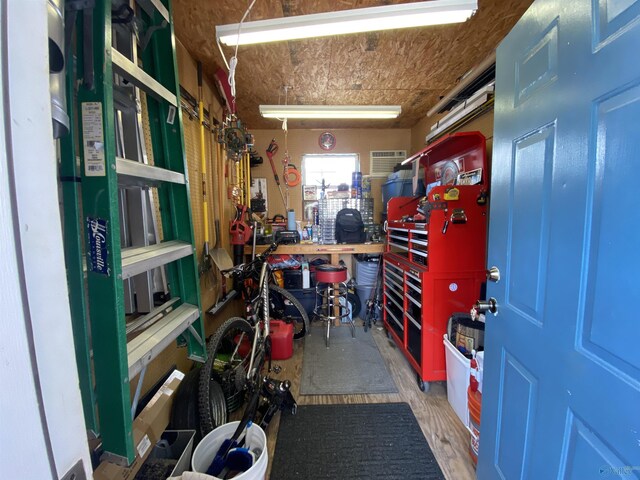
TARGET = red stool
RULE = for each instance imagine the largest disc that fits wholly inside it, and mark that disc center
(331, 296)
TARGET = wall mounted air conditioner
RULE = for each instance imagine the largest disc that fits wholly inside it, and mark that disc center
(383, 161)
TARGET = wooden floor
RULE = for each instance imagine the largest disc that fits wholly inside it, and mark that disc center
(446, 435)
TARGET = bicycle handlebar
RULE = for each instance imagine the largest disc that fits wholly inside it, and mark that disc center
(244, 269)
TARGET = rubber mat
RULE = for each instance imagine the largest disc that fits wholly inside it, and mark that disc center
(362, 441)
(349, 365)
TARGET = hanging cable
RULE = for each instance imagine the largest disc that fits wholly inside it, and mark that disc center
(240, 25)
(233, 62)
(286, 97)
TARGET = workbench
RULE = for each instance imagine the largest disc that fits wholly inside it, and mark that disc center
(334, 251)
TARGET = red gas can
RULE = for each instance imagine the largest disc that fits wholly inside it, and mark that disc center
(281, 339)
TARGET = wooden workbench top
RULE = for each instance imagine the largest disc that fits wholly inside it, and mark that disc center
(318, 249)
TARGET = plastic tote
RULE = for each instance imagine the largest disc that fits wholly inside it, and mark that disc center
(208, 447)
(458, 371)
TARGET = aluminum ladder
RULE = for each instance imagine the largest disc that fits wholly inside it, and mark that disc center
(109, 73)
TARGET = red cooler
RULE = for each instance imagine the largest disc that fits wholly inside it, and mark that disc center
(281, 339)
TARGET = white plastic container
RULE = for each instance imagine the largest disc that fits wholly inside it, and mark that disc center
(209, 445)
(458, 370)
(480, 360)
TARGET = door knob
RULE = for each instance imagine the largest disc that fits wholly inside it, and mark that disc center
(493, 274)
(484, 306)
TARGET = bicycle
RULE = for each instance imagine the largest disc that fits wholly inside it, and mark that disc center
(237, 352)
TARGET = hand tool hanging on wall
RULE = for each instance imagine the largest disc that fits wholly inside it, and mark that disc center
(272, 149)
(247, 177)
(240, 179)
(219, 255)
(236, 191)
(206, 257)
(240, 234)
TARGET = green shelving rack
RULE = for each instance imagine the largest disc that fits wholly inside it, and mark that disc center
(107, 362)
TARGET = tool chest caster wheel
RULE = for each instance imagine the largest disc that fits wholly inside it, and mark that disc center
(422, 385)
(388, 333)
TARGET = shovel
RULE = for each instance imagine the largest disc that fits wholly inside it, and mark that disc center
(219, 255)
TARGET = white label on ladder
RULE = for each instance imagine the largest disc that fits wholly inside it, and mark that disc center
(171, 115)
(93, 139)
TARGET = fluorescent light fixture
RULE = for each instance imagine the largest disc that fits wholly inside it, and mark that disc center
(330, 111)
(388, 17)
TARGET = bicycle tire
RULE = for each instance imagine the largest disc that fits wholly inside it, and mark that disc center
(355, 304)
(277, 310)
(225, 372)
(184, 411)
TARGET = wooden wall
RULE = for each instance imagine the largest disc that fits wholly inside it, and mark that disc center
(302, 141)
(209, 283)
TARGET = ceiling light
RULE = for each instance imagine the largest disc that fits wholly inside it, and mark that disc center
(388, 17)
(330, 111)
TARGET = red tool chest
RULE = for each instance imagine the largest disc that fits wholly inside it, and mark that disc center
(435, 260)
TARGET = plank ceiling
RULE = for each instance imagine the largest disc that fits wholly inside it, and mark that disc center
(412, 67)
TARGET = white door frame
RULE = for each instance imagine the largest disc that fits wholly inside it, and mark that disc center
(42, 430)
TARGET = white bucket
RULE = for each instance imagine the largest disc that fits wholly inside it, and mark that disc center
(458, 370)
(208, 447)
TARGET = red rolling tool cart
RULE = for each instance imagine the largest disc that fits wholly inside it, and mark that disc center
(435, 259)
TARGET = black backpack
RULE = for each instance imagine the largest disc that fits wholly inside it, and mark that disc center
(349, 226)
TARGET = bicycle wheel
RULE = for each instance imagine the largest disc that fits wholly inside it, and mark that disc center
(184, 412)
(284, 306)
(228, 355)
(355, 304)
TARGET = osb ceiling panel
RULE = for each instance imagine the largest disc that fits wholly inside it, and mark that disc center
(413, 68)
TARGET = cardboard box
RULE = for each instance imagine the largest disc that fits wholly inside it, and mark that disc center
(173, 445)
(339, 194)
(147, 430)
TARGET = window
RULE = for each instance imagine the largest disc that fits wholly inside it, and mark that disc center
(334, 169)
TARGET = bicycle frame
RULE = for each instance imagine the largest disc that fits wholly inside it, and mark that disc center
(262, 326)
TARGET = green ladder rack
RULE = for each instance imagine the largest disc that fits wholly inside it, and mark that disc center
(107, 362)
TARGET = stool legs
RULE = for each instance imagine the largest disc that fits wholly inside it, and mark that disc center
(333, 306)
(352, 324)
(328, 332)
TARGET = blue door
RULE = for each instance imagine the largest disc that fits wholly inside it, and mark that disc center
(561, 393)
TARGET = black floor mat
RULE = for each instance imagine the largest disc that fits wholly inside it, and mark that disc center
(364, 441)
